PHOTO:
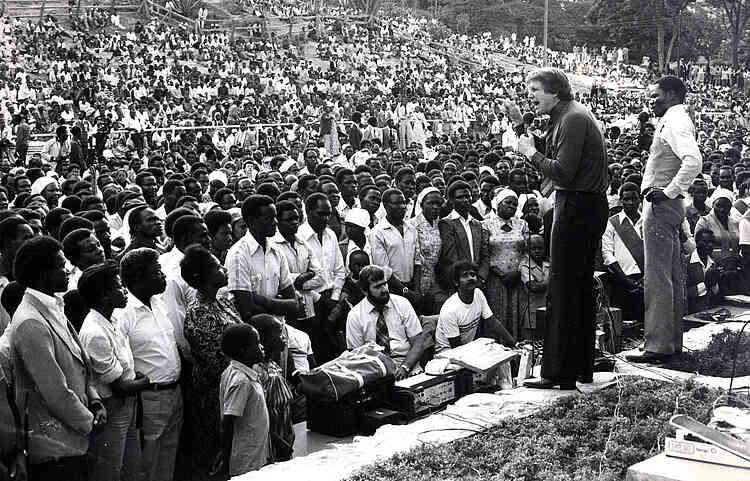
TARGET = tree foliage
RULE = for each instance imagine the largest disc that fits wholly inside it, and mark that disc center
(736, 15)
(661, 16)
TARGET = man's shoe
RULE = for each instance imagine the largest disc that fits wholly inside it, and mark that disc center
(542, 383)
(649, 357)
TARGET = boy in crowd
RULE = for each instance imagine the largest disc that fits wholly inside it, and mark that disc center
(244, 421)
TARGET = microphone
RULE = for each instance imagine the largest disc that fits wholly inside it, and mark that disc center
(527, 119)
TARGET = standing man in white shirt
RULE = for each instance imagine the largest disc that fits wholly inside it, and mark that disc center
(674, 161)
(395, 243)
(258, 272)
(186, 231)
(325, 246)
(152, 340)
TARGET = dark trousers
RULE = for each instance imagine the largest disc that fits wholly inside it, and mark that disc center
(68, 469)
(577, 228)
(631, 303)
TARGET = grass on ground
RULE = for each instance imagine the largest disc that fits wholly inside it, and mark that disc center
(587, 437)
(716, 358)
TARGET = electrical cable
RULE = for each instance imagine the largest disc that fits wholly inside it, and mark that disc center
(734, 360)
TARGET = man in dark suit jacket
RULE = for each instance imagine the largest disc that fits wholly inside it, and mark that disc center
(50, 368)
(454, 234)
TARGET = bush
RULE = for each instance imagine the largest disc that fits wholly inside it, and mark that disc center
(586, 437)
(716, 358)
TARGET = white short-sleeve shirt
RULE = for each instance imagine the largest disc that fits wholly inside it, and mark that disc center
(458, 319)
(242, 396)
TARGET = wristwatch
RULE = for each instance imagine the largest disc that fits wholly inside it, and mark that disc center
(405, 368)
(405, 291)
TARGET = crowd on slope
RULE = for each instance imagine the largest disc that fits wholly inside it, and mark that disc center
(209, 217)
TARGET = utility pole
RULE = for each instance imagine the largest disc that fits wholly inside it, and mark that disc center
(546, 28)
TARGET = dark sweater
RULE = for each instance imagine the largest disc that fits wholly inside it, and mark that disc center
(576, 156)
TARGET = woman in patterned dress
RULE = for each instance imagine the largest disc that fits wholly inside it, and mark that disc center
(506, 248)
(205, 320)
(429, 202)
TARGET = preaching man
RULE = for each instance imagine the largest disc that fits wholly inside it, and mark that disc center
(575, 160)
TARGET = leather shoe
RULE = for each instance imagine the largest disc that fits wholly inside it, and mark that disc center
(649, 357)
(542, 383)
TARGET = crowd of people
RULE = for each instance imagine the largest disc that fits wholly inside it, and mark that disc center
(210, 217)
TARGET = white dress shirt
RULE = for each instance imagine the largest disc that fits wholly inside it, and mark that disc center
(108, 350)
(615, 250)
(402, 322)
(176, 296)
(466, 223)
(252, 269)
(329, 255)
(391, 249)
(300, 259)
(676, 130)
(152, 339)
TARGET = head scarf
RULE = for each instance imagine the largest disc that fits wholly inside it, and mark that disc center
(420, 198)
(719, 193)
(501, 196)
(41, 183)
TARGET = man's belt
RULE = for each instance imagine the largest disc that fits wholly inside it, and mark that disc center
(162, 386)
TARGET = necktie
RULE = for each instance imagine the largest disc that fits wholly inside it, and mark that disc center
(381, 330)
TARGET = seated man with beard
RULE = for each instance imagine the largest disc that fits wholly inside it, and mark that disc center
(387, 320)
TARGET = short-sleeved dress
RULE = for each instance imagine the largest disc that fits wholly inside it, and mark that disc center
(506, 247)
(205, 321)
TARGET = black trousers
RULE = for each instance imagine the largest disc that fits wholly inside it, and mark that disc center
(631, 303)
(577, 228)
(68, 469)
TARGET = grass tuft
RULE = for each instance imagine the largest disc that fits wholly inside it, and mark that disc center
(716, 358)
(564, 441)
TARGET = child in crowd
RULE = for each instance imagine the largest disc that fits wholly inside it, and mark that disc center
(351, 294)
(278, 392)
(244, 421)
(535, 279)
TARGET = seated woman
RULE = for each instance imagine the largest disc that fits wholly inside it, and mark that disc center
(702, 273)
(726, 230)
(726, 242)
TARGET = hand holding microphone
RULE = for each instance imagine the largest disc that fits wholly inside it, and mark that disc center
(526, 145)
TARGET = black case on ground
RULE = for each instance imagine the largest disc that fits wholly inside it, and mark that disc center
(344, 417)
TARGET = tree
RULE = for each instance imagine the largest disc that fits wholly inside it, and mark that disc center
(663, 16)
(736, 13)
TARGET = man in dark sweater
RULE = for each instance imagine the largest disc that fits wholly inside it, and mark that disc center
(574, 161)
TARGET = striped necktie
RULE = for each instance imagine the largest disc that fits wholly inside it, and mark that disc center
(381, 330)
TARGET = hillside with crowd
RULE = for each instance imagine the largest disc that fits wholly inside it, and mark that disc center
(190, 220)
